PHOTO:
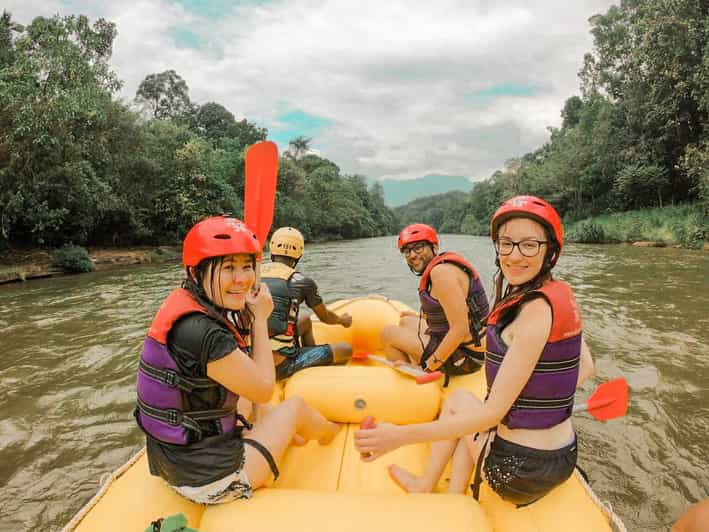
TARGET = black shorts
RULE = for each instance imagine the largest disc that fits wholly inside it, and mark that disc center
(463, 360)
(298, 358)
(523, 475)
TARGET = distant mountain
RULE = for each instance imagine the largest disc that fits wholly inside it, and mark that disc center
(400, 192)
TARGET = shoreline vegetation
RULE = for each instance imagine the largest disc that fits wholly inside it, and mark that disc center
(80, 168)
(682, 226)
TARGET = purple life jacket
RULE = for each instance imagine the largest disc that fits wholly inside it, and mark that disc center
(548, 397)
(161, 387)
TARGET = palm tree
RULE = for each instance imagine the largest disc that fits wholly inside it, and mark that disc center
(299, 146)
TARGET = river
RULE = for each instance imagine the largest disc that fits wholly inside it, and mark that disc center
(70, 348)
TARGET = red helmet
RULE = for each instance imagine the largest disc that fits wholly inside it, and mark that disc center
(416, 233)
(530, 207)
(218, 236)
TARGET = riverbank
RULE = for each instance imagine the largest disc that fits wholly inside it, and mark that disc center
(24, 264)
(684, 226)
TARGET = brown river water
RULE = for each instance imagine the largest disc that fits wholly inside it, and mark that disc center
(70, 350)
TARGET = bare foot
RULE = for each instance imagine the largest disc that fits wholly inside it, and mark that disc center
(407, 481)
(329, 433)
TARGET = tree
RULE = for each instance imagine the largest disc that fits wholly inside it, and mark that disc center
(55, 103)
(165, 96)
(570, 112)
(650, 58)
(299, 146)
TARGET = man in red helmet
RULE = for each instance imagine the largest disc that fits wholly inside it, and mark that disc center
(453, 305)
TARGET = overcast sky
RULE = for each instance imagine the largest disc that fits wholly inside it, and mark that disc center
(389, 89)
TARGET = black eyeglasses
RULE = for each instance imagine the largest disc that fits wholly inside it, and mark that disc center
(416, 246)
(528, 247)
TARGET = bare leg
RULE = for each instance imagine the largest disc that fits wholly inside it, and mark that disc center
(341, 352)
(401, 342)
(305, 329)
(276, 431)
(441, 451)
(461, 466)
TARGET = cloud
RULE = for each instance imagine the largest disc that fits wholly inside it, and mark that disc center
(391, 89)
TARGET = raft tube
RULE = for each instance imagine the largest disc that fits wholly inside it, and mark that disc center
(325, 488)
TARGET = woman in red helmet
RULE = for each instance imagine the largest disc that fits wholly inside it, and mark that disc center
(524, 442)
(453, 303)
(198, 376)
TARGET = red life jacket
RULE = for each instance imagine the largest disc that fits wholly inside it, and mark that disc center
(548, 396)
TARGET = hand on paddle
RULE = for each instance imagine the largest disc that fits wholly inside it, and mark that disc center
(260, 302)
(378, 440)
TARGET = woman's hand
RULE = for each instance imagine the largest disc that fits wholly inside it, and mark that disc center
(260, 302)
(433, 364)
(377, 441)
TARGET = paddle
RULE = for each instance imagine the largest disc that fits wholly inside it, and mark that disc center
(609, 401)
(260, 191)
(420, 375)
(260, 187)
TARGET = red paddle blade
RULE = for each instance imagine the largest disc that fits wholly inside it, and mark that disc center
(260, 187)
(425, 378)
(610, 400)
(360, 355)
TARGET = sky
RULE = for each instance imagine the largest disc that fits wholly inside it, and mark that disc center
(395, 89)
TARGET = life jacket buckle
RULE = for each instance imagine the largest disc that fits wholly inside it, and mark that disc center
(174, 417)
(170, 378)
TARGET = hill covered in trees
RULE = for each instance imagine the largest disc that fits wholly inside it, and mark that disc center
(399, 192)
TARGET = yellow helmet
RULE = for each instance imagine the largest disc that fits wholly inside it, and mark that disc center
(287, 241)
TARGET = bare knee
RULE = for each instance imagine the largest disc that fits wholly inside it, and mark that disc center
(388, 333)
(341, 352)
(458, 401)
(305, 324)
(294, 402)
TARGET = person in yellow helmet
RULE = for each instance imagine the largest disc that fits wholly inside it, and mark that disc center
(290, 330)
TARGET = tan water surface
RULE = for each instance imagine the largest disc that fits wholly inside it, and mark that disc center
(70, 350)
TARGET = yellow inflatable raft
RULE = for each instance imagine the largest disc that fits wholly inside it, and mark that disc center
(329, 488)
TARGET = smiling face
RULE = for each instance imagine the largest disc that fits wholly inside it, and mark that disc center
(227, 284)
(517, 268)
(418, 254)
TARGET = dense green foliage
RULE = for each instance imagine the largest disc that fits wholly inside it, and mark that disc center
(78, 166)
(680, 224)
(73, 259)
(635, 138)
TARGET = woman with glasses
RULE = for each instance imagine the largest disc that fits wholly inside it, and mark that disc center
(520, 438)
(447, 333)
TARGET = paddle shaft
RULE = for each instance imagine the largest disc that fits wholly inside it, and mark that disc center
(420, 375)
(583, 407)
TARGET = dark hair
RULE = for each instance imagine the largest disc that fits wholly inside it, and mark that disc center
(242, 319)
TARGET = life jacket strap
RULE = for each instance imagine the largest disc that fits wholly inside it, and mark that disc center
(175, 380)
(542, 366)
(177, 418)
(528, 403)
